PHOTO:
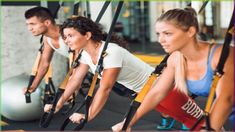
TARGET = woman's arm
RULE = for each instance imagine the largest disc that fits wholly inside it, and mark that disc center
(73, 84)
(106, 84)
(224, 101)
(157, 92)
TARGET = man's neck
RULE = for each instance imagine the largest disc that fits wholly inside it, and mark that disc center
(53, 32)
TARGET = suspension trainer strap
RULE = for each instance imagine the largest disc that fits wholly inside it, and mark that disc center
(47, 117)
(140, 97)
(203, 6)
(88, 11)
(99, 67)
(98, 70)
(33, 74)
(227, 41)
(102, 11)
(189, 4)
(76, 8)
(58, 8)
(87, 100)
(219, 69)
(218, 73)
(48, 96)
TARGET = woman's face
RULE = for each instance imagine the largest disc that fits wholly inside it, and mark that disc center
(170, 37)
(74, 39)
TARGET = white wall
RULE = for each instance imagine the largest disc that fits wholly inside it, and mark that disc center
(19, 48)
(95, 7)
(226, 11)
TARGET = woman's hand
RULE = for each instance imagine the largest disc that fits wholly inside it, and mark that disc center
(47, 108)
(76, 117)
(118, 127)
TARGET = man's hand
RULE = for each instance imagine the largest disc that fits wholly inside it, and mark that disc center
(31, 90)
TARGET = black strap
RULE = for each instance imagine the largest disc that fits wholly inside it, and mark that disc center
(134, 104)
(57, 8)
(46, 117)
(203, 6)
(31, 79)
(226, 46)
(123, 91)
(75, 8)
(101, 13)
(49, 92)
(189, 4)
(99, 68)
(159, 68)
(88, 11)
(218, 73)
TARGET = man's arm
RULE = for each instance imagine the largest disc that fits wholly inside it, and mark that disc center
(43, 65)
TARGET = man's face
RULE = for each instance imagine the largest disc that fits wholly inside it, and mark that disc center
(36, 26)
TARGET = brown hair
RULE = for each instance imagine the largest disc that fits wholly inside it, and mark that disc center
(182, 18)
(84, 25)
(40, 12)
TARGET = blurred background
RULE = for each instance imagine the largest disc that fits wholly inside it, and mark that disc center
(135, 24)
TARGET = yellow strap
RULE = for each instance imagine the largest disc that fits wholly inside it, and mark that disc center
(231, 31)
(66, 79)
(48, 74)
(146, 88)
(92, 87)
(2, 123)
(36, 63)
(212, 93)
(71, 59)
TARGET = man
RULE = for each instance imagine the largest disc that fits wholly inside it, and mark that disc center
(40, 21)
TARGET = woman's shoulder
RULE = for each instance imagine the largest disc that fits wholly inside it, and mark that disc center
(113, 47)
(84, 54)
(217, 53)
(174, 58)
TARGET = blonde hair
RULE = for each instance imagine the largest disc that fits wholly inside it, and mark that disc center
(180, 77)
(181, 18)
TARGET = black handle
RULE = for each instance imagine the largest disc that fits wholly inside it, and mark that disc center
(80, 125)
(47, 117)
(27, 93)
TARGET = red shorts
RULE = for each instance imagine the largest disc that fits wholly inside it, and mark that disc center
(182, 108)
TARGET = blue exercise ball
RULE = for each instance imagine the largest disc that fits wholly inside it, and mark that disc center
(14, 106)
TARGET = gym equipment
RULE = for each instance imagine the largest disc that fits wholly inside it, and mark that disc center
(218, 73)
(140, 97)
(47, 117)
(14, 106)
(99, 68)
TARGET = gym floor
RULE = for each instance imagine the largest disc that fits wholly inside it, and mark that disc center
(112, 113)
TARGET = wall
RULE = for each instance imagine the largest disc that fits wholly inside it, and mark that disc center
(19, 48)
